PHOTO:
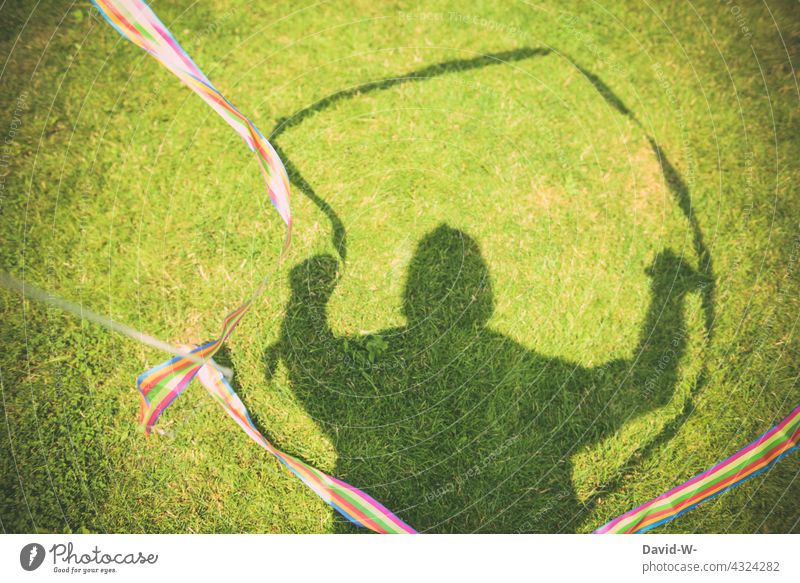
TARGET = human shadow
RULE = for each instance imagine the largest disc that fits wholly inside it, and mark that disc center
(453, 425)
(674, 181)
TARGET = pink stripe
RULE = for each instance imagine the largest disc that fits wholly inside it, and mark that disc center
(170, 397)
(385, 511)
(154, 21)
(177, 49)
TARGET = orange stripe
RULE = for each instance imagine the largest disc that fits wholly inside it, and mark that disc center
(352, 510)
(161, 373)
(120, 20)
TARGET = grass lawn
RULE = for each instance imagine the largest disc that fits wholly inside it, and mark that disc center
(545, 265)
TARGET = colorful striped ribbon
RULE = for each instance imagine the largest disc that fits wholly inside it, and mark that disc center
(134, 20)
(355, 505)
(161, 385)
(748, 462)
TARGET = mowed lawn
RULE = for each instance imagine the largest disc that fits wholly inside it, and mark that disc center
(545, 263)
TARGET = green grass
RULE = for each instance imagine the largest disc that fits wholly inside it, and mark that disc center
(543, 269)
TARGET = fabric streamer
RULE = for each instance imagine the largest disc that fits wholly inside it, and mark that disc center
(161, 385)
(748, 462)
(355, 505)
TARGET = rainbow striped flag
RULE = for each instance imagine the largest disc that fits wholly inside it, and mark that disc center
(748, 462)
(134, 20)
(161, 385)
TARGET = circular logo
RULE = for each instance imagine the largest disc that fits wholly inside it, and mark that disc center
(31, 556)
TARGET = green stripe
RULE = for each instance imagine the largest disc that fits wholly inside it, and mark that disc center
(365, 507)
(135, 21)
(144, 32)
(267, 166)
(706, 486)
(155, 395)
(359, 503)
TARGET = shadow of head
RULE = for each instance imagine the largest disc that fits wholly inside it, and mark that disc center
(448, 282)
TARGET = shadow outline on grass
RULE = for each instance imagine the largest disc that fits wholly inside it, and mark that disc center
(703, 282)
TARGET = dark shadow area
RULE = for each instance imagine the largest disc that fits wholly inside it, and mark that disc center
(455, 426)
(605, 92)
(552, 495)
